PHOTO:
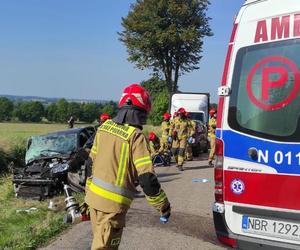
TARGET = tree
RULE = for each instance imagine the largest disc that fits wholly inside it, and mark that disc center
(166, 36)
(6, 109)
(158, 91)
(30, 111)
(154, 86)
(110, 108)
(159, 107)
(89, 112)
(51, 112)
(74, 110)
(62, 114)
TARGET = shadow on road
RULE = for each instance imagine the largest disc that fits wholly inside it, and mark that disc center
(181, 223)
(168, 180)
(197, 167)
(161, 175)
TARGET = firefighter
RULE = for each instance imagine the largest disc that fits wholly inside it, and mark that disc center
(179, 135)
(121, 158)
(165, 128)
(102, 118)
(192, 131)
(154, 144)
(212, 135)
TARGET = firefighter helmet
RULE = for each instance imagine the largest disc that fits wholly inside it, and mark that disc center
(167, 116)
(212, 112)
(181, 111)
(104, 116)
(135, 95)
(152, 136)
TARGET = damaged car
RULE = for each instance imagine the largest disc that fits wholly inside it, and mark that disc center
(53, 160)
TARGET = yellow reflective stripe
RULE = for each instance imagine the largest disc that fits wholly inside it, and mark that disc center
(122, 164)
(143, 163)
(137, 161)
(123, 131)
(88, 181)
(94, 150)
(95, 145)
(157, 199)
(109, 195)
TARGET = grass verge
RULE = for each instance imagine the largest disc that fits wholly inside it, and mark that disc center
(23, 230)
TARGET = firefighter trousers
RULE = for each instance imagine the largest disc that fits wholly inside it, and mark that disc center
(107, 229)
(178, 150)
(189, 152)
(164, 145)
(212, 148)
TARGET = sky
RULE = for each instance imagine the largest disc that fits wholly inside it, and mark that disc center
(70, 49)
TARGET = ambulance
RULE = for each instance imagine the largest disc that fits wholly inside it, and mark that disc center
(257, 163)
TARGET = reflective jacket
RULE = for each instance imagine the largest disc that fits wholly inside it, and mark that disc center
(179, 129)
(165, 128)
(192, 127)
(155, 147)
(120, 154)
(211, 123)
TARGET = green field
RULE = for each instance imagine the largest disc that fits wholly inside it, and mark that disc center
(11, 133)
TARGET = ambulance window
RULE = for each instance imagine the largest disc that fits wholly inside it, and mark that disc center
(265, 99)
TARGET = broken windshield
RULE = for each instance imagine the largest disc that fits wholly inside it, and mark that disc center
(50, 145)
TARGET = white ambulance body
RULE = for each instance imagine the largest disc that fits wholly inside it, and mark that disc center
(257, 168)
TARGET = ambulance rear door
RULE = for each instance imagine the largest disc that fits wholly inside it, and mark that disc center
(260, 123)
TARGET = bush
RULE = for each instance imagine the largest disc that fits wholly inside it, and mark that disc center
(4, 161)
(159, 107)
(16, 154)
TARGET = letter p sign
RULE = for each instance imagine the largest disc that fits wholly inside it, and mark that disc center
(274, 78)
(268, 84)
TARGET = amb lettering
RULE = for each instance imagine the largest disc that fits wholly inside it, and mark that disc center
(277, 28)
(279, 157)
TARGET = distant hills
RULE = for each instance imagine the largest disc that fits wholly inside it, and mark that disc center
(47, 100)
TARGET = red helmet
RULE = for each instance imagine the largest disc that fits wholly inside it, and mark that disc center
(152, 136)
(181, 111)
(167, 116)
(137, 96)
(104, 117)
(212, 112)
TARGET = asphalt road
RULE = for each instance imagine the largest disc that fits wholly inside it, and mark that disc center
(190, 226)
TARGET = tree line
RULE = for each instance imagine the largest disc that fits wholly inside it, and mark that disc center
(61, 111)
